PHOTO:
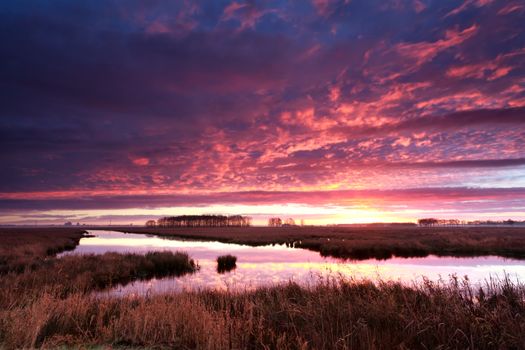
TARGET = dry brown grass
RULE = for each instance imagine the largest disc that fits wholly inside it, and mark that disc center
(22, 248)
(367, 242)
(332, 315)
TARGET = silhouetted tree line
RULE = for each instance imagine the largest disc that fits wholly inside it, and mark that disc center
(496, 222)
(428, 222)
(202, 221)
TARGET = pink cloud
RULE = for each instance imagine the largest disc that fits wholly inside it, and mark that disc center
(325, 8)
(513, 7)
(423, 52)
(402, 141)
(335, 93)
(179, 24)
(141, 161)
(418, 6)
(468, 3)
(246, 13)
(487, 70)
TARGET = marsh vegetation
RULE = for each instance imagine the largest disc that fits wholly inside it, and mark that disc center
(49, 302)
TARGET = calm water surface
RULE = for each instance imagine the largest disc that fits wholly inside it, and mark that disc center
(273, 264)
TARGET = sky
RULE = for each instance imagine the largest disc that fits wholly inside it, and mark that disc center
(331, 111)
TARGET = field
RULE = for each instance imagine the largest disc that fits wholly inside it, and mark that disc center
(48, 302)
(367, 242)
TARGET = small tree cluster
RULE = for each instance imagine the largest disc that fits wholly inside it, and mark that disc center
(289, 222)
(275, 222)
(278, 222)
(427, 222)
(438, 222)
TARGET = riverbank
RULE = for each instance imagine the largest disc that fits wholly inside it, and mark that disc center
(365, 242)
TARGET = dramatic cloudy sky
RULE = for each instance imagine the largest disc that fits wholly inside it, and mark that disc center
(332, 111)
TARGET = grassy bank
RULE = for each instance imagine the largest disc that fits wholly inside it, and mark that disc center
(333, 315)
(85, 273)
(367, 242)
(22, 248)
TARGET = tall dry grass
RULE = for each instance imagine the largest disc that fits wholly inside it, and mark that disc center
(332, 315)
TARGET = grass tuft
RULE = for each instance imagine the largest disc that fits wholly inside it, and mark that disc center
(226, 263)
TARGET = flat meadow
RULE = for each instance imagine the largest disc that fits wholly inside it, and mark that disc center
(49, 302)
(365, 242)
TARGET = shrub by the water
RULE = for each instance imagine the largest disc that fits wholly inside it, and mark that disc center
(226, 263)
(168, 263)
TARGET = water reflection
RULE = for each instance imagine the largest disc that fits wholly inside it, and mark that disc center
(272, 264)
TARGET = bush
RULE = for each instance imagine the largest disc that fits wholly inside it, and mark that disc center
(226, 263)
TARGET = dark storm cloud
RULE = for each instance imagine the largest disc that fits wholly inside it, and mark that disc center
(512, 116)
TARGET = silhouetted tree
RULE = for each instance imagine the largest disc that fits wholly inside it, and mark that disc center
(275, 222)
(438, 222)
(289, 222)
(428, 222)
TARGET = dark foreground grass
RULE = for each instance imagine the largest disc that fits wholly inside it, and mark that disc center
(226, 263)
(367, 242)
(332, 315)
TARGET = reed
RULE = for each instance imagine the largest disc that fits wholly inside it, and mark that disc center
(335, 314)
